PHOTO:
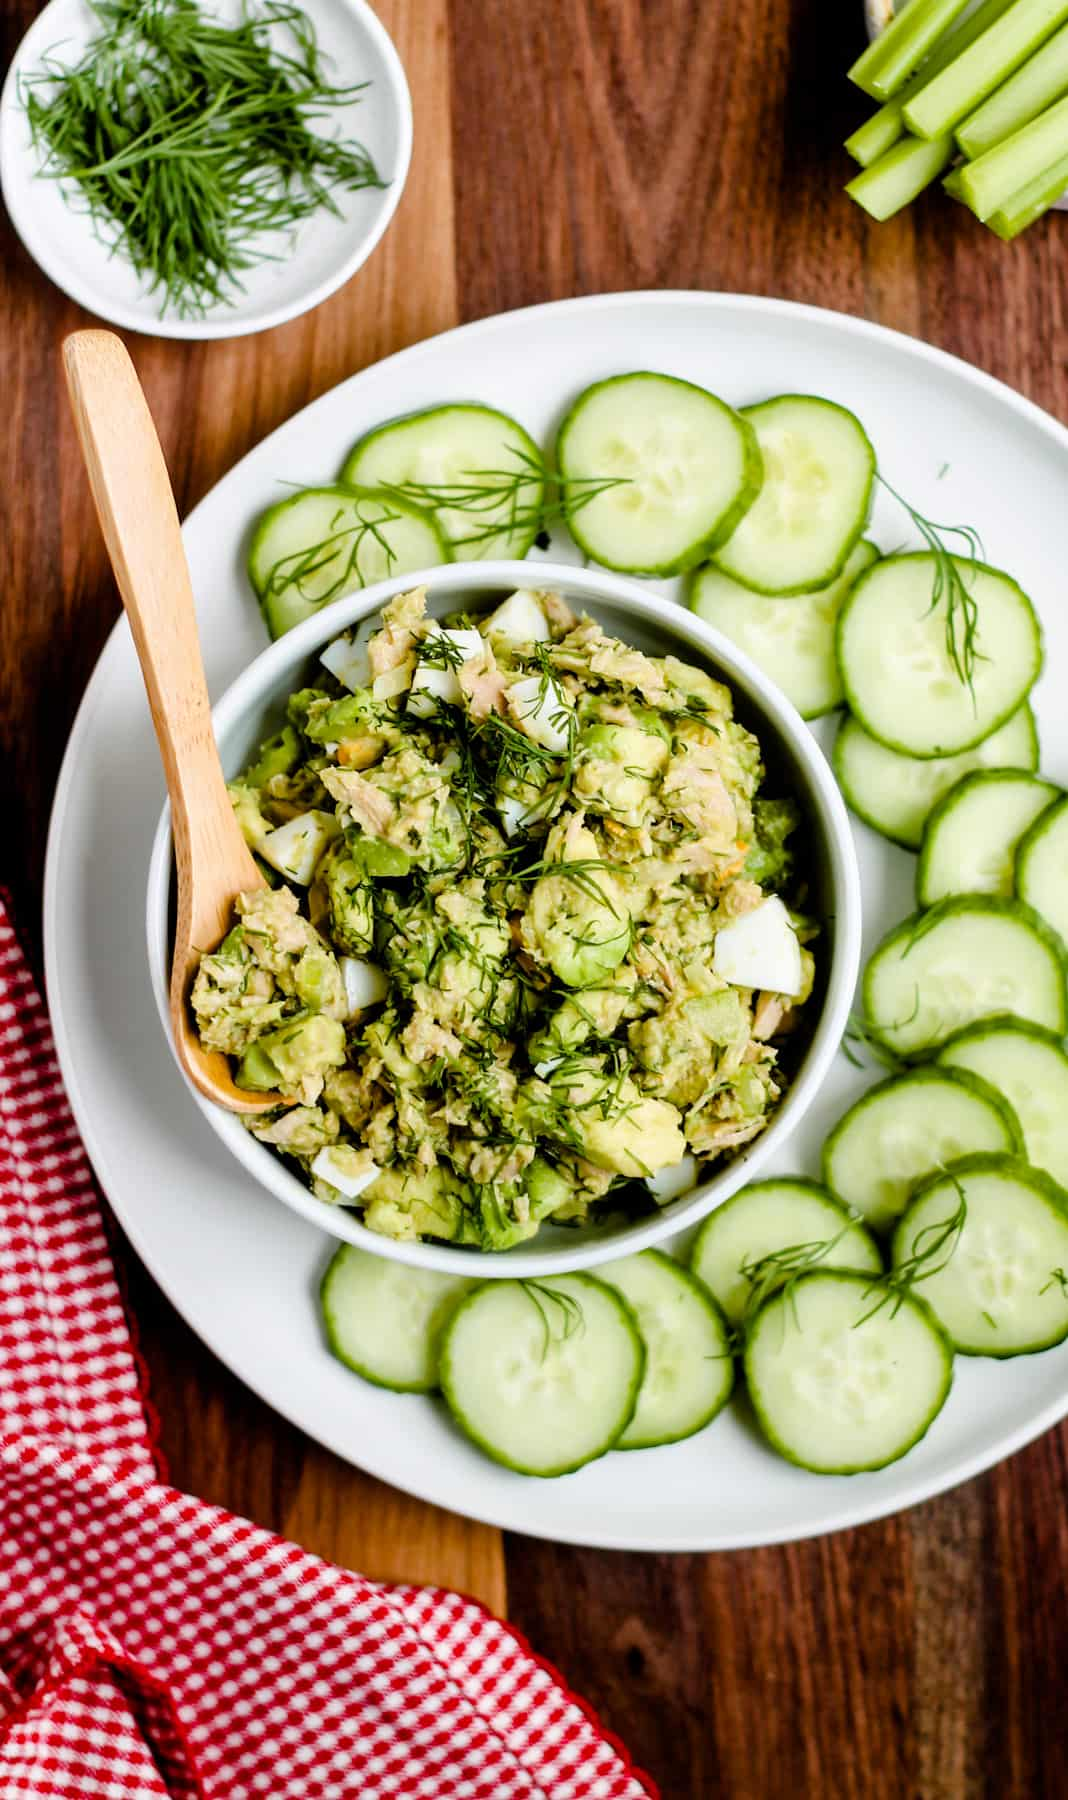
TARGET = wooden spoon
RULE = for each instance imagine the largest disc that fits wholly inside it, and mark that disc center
(135, 506)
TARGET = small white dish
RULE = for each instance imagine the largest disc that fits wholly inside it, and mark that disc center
(249, 710)
(327, 248)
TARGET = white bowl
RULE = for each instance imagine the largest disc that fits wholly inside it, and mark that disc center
(249, 710)
(327, 249)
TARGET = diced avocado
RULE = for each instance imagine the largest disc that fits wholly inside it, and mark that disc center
(616, 766)
(256, 1070)
(255, 829)
(409, 1202)
(769, 860)
(278, 755)
(374, 857)
(304, 1046)
(577, 920)
(299, 705)
(350, 902)
(328, 721)
(318, 983)
(618, 1127)
(547, 1188)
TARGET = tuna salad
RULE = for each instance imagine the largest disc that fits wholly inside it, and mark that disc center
(529, 944)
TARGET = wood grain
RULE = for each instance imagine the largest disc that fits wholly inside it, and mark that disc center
(573, 147)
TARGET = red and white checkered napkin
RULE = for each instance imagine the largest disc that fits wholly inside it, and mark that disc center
(153, 1645)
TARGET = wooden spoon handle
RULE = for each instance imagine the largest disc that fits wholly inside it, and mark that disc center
(132, 492)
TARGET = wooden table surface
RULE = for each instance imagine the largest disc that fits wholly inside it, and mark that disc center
(570, 147)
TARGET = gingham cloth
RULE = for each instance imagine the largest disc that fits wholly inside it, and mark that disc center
(153, 1645)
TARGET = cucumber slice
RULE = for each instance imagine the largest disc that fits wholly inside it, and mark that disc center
(1030, 1067)
(543, 1375)
(814, 504)
(969, 843)
(465, 448)
(837, 1387)
(894, 794)
(767, 1218)
(385, 1320)
(963, 960)
(329, 541)
(907, 1126)
(790, 637)
(689, 466)
(998, 1285)
(1042, 867)
(896, 667)
(689, 1369)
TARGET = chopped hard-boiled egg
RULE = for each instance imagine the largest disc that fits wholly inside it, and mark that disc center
(542, 710)
(520, 619)
(346, 657)
(760, 950)
(668, 1184)
(333, 1165)
(431, 684)
(294, 848)
(365, 983)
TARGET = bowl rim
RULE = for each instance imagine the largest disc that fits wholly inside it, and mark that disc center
(64, 273)
(295, 648)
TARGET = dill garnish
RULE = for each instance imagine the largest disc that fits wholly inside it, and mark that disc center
(191, 144)
(502, 502)
(952, 573)
(554, 1305)
(341, 547)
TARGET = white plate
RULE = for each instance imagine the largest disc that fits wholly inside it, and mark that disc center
(327, 249)
(239, 1267)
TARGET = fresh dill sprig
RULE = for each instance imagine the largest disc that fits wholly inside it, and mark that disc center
(950, 587)
(932, 1248)
(554, 1306)
(860, 1034)
(779, 1270)
(342, 547)
(192, 144)
(502, 502)
(1057, 1278)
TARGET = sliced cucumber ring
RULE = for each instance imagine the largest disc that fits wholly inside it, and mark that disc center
(970, 839)
(818, 472)
(904, 1128)
(1042, 867)
(1030, 1067)
(894, 794)
(897, 670)
(840, 1384)
(963, 960)
(385, 1320)
(467, 448)
(329, 541)
(688, 464)
(790, 637)
(542, 1375)
(767, 1218)
(689, 1368)
(998, 1283)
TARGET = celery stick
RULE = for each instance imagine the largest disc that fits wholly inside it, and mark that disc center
(994, 56)
(1041, 80)
(1031, 202)
(952, 186)
(905, 170)
(875, 136)
(902, 45)
(991, 181)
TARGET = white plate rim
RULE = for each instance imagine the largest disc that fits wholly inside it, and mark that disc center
(65, 275)
(842, 1518)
